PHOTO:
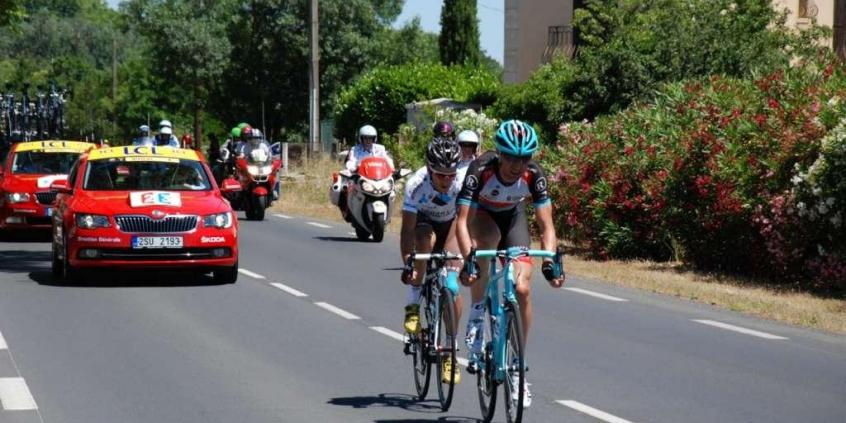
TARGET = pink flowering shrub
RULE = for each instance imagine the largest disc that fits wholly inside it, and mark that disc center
(707, 174)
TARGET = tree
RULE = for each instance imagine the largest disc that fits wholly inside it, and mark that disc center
(459, 39)
(408, 44)
(11, 11)
(190, 47)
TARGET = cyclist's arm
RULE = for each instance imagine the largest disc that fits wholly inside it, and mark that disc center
(462, 232)
(409, 223)
(543, 215)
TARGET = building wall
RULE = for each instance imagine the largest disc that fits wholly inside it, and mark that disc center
(526, 27)
(822, 10)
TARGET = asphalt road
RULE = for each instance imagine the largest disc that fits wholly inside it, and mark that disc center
(160, 347)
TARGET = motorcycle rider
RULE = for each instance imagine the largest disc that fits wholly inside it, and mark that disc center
(428, 215)
(366, 147)
(143, 137)
(165, 136)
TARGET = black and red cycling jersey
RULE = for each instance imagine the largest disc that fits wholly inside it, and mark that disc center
(483, 189)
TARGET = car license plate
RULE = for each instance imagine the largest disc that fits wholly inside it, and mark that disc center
(157, 242)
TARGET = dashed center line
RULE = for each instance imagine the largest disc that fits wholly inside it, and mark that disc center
(3, 344)
(289, 290)
(251, 274)
(340, 312)
(319, 225)
(15, 395)
(739, 329)
(590, 411)
(389, 333)
(282, 216)
(595, 294)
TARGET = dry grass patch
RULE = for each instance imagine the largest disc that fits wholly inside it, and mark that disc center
(306, 193)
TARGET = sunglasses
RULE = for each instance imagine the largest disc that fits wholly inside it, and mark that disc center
(514, 159)
(467, 145)
(444, 175)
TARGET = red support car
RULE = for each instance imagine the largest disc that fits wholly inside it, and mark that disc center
(144, 207)
(26, 174)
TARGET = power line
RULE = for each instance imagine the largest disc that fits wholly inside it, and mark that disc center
(495, 9)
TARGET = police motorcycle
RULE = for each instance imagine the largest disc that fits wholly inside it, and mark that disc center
(257, 170)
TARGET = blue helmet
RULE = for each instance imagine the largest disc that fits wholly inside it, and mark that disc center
(516, 138)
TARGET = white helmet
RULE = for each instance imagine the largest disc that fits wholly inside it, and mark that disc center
(166, 130)
(165, 123)
(468, 136)
(367, 131)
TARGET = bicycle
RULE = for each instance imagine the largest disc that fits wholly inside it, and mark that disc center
(437, 313)
(503, 355)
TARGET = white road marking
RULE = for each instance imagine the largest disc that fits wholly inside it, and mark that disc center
(15, 395)
(389, 333)
(3, 344)
(595, 294)
(590, 411)
(289, 290)
(463, 361)
(340, 312)
(319, 225)
(739, 329)
(251, 274)
(283, 216)
(351, 233)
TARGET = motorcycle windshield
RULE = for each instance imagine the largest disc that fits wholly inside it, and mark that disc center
(258, 155)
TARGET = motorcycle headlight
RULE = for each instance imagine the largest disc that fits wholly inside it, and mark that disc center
(265, 170)
(253, 169)
(17, 197)
(91, 221)
(220, 220)
(367, 186)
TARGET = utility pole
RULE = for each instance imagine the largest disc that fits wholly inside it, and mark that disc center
(114, 86)
(314, 82)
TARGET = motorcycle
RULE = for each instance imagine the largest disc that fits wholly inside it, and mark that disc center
(257, 172)
(369, 195)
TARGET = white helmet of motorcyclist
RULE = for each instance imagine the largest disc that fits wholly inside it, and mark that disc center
(166, 130)
(367, 132)
(165, 124)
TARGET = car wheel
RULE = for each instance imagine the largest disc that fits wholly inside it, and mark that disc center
(70, 274)
(226, 274)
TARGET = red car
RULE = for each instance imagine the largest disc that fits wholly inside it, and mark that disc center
(29, 169)
(144, 207)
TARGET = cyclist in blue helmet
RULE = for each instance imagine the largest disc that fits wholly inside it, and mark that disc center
(492, 215)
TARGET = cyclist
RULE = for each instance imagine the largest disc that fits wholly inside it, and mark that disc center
(428, 214)
(443, 129)
(492, 214)
(469, 142)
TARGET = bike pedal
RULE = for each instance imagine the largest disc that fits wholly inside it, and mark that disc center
(473, 367)
(406, 348)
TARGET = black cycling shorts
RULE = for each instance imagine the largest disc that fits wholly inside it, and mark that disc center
(513, 226)
(441, 230)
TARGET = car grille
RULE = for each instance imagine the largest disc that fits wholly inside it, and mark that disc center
(146, 224)
(160, 254)
(46, 197)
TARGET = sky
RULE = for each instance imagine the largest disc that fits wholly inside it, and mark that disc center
(490, 12)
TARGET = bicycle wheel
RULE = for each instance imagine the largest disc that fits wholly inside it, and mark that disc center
(515, 362)
(446, 350)
(485, 377)
(420, 343)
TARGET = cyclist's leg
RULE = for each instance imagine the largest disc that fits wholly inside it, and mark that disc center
(517, 235)
(424, 240)
(485, 235)
(447, 241)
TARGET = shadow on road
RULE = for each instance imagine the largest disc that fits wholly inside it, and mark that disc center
(23, 261)
(403, 401)
(26, 236)
(339, 239)
(128, 279)
(439, 419)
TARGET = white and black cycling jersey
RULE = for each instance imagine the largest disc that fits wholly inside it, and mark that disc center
(422, 198)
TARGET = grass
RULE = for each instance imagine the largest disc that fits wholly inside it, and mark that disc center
(307, 194)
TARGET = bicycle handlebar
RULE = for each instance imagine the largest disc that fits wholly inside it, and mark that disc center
(516, 252)
(436, 256)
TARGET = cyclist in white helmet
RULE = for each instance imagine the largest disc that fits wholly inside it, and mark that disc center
(469, 142)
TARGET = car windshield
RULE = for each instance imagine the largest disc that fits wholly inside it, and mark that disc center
(39, 162)
(123, 175)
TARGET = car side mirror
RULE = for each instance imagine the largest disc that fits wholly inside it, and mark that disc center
(60, 186)
(230, 185)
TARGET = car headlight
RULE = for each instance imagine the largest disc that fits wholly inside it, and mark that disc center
(220, 220)
(17, 197)
(91, 221)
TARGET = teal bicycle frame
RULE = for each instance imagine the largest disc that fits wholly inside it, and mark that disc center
(497, 301)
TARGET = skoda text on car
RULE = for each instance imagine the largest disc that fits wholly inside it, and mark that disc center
(29, 169)
(143, 207)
